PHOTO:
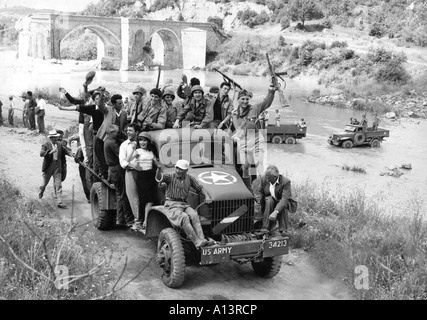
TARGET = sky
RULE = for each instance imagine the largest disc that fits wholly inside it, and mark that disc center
(62, 5)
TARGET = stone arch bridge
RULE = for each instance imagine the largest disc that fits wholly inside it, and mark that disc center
(185, 43)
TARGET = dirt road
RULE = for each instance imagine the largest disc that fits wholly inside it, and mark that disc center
(298, 279)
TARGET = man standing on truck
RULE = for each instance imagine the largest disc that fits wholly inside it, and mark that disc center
(127, 148)
(178, 211)
(375, 122)
(154, 113)
(116, 175)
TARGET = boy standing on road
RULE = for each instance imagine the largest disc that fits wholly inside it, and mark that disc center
(11, 110)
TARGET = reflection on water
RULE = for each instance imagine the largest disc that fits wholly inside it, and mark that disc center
(312, 158)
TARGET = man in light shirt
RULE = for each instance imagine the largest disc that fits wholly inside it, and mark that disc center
(40, 113)
(131, 185)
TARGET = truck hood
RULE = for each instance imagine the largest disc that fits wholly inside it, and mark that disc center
(222, 182)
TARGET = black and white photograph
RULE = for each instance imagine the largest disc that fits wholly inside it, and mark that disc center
(213, 156)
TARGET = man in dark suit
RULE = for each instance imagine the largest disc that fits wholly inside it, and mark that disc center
(273, 193)
(52, 152)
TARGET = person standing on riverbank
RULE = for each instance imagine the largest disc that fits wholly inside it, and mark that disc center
(40, 113)
(25, 111)
(32, 104)
(11, 110)
(1, 114)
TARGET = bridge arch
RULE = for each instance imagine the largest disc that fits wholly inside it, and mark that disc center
(112, 45)
(172, 47)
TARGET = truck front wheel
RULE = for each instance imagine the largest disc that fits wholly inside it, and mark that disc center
(171, 258)
(269, 267)
(290, 140)
(348, 144)
(277, 140)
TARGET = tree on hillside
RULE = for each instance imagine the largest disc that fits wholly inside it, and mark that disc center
(304, 10)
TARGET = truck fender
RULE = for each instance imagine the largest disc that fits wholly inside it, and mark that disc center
(157, 221)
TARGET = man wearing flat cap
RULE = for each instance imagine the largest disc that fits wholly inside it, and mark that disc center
(177, 209)
(153, 115)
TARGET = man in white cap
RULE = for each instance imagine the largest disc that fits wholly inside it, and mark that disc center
(52, 153)
(178, 211)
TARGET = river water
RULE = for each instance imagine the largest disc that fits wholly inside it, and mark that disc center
(312, 158)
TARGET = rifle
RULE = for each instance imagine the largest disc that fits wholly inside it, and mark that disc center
(228, 79)
(158, 77)
(276, 84)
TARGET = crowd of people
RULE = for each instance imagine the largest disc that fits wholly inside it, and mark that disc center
(33, 112)
(364, 122)
(114, 143)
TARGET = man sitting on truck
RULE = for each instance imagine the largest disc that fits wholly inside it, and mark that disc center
(178, 211)
(273, 193)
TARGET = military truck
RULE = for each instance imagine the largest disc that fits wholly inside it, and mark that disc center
(287, 133)
(230, 219)
(355, 135)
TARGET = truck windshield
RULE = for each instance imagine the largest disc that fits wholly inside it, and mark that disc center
(350, 129)
(198, 153)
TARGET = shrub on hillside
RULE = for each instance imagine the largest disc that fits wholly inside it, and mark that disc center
(327, 23)
(285, 23)
(376, 30)
(251, 18)
(393, 72)
(162, 4)
(217, 21)
(338, 44)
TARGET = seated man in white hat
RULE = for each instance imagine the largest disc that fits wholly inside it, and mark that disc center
(52, 152)
(178, 211)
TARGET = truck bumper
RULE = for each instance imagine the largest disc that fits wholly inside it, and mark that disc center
(274, 246)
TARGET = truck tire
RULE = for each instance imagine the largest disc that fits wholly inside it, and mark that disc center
(347, 144)
(171, 258)
(290, 140)
(359, 138)
(268, 268)
(102, 219)
(277, 140)
(375, 143)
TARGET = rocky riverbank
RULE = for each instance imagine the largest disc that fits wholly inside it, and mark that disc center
(410, 104)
